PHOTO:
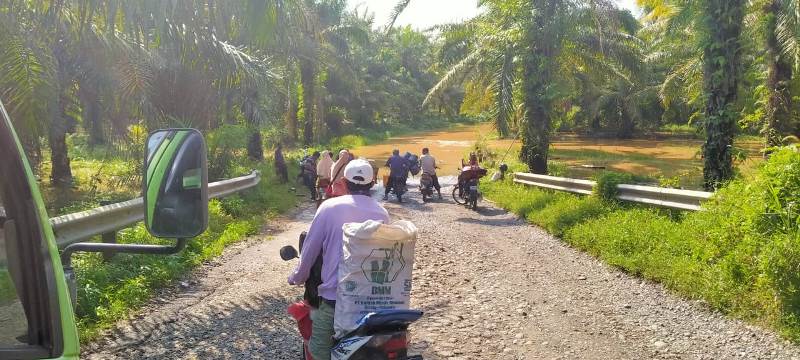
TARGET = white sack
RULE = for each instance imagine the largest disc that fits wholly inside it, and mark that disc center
(375, 271)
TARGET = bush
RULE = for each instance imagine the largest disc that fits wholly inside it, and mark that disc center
(225, 145)
(606, 187)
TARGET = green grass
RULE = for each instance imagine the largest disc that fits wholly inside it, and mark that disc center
(741, 254)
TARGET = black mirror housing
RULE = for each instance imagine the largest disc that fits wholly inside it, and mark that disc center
(288, 253)
(175, 184)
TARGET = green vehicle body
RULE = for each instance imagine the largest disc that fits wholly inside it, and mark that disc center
(63, 341)
(69, 330)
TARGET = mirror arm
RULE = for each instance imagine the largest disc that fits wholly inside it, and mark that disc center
(66, 255)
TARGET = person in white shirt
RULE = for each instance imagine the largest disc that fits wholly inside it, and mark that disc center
(428, 164)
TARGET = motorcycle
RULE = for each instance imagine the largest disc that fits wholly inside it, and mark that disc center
(467, 191)
(380, 335)
(426, 187)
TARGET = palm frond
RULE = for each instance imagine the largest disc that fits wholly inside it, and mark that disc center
(27, 81)
(454, 75)
(396, 11)
(788, 31)
(504, 92)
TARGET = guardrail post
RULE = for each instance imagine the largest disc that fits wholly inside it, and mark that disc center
(108, 238)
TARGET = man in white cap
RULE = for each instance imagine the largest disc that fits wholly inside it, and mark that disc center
(325, 238)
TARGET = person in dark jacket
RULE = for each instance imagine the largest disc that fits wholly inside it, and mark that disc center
(310, 174)
(398, 172)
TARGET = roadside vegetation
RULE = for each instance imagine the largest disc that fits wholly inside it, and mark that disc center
(740, 255)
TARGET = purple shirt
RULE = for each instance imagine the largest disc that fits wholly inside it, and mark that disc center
(325, 236)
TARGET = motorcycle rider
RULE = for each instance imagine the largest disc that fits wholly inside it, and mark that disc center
(398, 171)
(469, 170)
(428, 164)
(325, 237)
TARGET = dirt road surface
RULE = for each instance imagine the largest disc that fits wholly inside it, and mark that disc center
(491, 286)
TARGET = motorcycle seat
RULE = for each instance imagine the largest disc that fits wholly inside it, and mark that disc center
(388, 320)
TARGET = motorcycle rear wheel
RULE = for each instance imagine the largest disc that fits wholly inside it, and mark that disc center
(458, 199)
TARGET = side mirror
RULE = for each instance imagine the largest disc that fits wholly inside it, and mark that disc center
(288, 253)
(175, 184)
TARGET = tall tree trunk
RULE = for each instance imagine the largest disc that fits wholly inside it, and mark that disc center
(778, 112)
(93, 121)
(251, 111)
(537, 75)
(308, 76)
(721, 72)
(255, 147)
(60, 173)
(32, 146)
(230, 116)
(291, 103)
(627, 125)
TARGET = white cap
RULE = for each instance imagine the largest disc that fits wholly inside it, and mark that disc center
(358, 171)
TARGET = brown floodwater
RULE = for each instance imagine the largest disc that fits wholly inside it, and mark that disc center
(447, 146)
(671, 157)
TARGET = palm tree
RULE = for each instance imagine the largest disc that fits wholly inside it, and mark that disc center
(782, 39)
(722, 27)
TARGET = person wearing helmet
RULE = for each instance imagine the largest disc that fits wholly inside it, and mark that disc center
(325, 238)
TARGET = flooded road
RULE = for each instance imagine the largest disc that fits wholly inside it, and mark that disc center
(580, 156)
(448, 146)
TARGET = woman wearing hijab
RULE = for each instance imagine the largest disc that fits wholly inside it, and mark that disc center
(337, 171)
(324, 167)
(338, 185)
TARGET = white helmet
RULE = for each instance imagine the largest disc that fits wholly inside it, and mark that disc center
(359, 172)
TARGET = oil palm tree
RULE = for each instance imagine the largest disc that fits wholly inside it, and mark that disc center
(782, 39)
(541, 43)
(722, 27)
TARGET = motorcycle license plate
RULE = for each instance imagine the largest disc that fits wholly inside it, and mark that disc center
(473, 188)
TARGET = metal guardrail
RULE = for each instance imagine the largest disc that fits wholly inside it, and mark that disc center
(107, 219)
(650, 195)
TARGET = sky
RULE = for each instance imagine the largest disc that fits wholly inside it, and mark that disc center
(422, 14)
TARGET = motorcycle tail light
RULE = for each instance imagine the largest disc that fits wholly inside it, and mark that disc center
(393, 345)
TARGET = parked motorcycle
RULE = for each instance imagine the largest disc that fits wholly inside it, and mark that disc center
(380, 335)
(426, 187)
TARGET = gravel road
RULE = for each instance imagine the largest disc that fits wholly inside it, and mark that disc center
(491, 286)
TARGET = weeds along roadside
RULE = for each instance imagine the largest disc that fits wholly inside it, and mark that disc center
(740, 255)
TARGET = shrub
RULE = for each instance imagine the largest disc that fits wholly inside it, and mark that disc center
(606, 187)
